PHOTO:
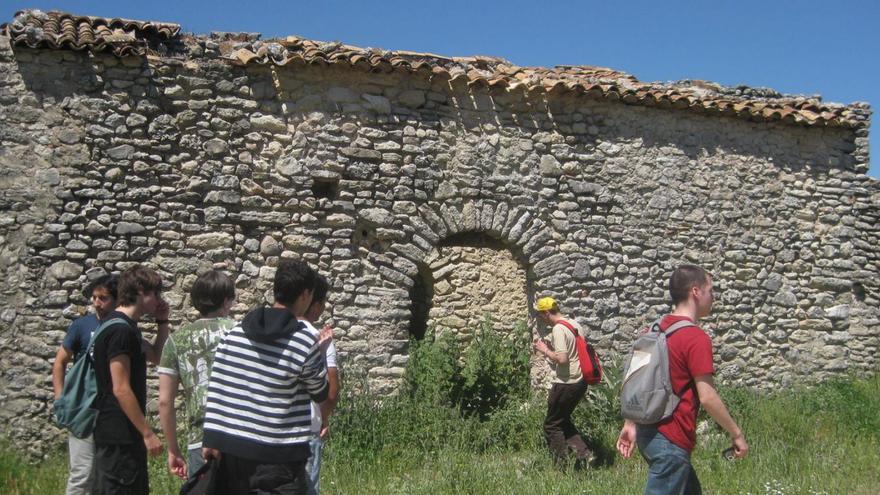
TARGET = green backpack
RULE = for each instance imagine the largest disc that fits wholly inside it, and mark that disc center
(73, 409)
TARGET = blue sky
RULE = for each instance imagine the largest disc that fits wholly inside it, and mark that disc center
(794, 46)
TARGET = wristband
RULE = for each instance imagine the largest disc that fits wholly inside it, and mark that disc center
(162, 322)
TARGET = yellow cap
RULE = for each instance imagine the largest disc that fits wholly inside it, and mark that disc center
(545, 304)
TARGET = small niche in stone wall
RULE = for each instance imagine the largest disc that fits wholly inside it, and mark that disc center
(858, 291)
(325, 187)
(364, 236)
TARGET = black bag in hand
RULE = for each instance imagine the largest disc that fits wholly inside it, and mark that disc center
(202, 482)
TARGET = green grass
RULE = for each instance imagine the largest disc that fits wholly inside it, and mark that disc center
(807, 440)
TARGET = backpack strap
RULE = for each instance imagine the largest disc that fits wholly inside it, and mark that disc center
(678, 326)
(690, 384)
(669, 331)
(569, 326)
(100, 329)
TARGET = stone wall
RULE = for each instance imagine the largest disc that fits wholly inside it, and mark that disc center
(189, 164)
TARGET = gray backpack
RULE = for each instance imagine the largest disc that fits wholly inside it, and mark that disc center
(646, 395)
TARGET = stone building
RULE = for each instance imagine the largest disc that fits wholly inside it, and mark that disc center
(431, 190)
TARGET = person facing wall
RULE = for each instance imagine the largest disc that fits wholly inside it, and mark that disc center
(186, 363)
(568, 385)
(265, 372)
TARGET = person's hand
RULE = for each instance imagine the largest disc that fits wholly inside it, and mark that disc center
(153, 444)
(540, 346)
(325, 336)
(177, 465)
(209, 453)
(627, 439)
(163, 310)
(325, 430)
(740, 446)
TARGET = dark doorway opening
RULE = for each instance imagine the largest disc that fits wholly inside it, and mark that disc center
(421, 294)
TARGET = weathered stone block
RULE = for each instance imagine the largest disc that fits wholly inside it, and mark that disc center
(122, 152)
(213, 240)
(378, 104)
(216, 147)
(129, 228)
(361, 153)
(268, 123)
(377, 216)
(64, 270)
(412, 98)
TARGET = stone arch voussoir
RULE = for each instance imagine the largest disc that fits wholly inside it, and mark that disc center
(517, 227)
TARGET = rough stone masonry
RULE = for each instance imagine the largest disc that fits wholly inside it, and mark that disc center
(430, 190)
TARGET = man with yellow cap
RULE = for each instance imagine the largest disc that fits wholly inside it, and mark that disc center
(568, 386)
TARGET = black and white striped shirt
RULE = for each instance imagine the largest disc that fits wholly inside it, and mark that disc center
(266, 371)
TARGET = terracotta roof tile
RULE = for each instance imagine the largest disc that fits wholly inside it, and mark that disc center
(57, 30)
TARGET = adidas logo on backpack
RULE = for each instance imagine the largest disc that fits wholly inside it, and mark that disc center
(633, 402)
(646, 395)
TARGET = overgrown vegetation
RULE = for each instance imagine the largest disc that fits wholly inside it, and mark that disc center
(465, 421)
(489, 372)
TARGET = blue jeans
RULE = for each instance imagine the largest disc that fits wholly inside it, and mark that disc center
(669, 466)
(313, 465)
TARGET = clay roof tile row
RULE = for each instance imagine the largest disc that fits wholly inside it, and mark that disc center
(122, 37)
(59, 30)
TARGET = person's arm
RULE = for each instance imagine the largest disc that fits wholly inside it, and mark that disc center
(558, 340)
(59, 369)
(333, 392)
(153, 350)
(328, 406)
(120, 373)
(712, 403)
(168, 419)
(626, 441)
(556, 357)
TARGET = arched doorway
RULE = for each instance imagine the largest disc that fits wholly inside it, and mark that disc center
(469, 280)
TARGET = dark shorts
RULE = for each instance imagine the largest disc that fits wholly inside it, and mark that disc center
(121, 469)
(237, 475)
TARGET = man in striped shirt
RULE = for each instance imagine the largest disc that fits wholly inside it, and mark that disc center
(266, 371)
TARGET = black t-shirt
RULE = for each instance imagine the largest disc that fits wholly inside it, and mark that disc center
(113, 426)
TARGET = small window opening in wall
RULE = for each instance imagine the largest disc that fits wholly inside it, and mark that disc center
(858, 291)
(325, 188)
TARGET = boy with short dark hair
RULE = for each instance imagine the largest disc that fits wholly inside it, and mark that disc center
(102, 293)
(265, 372)
(667, 445)
(122, 435)
(186, 361)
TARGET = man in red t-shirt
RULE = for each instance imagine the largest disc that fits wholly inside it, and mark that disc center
(667, 445)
